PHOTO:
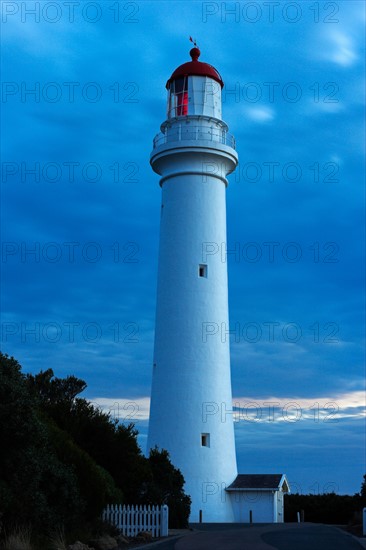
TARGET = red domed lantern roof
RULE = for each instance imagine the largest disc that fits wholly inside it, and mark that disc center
(195, 68)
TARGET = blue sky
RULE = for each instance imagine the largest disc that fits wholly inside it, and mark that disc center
(80, 211)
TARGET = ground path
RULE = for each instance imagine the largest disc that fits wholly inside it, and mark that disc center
(283, 536)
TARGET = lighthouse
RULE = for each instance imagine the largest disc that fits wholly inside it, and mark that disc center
(191, 399)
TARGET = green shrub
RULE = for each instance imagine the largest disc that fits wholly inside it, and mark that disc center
(325, 508)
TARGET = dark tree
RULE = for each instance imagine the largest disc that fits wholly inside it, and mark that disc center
(52, 391)
(63, 459)
(166, 487)
(363, 491)
(111, 445)
(35, 487)
(324, 508)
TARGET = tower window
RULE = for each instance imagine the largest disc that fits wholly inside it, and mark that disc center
(202, 270)
(205, 440)
(178, 97)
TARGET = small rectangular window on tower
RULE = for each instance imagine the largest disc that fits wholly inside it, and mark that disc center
(202, 270)
(205, 440)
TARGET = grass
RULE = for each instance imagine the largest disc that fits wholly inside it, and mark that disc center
(19, 539)
(57, 540)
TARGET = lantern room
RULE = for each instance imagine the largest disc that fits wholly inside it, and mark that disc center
(194, 89)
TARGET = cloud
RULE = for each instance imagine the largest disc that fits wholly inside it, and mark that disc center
(260, 114)
(323, 408)
(125, 410)
(323, 139)
(262, 409)
(342, 50)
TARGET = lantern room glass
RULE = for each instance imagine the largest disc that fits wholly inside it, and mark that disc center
(178, 97)
(194, 95)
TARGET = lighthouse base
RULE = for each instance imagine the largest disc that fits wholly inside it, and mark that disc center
(210, 503)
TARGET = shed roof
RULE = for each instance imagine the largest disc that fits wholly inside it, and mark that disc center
(261, 482)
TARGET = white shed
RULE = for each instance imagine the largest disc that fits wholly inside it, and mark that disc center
(258, 498)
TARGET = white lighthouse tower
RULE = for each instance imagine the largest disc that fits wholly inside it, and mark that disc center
(191, 395)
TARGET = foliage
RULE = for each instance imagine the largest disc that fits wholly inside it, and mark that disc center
(166, 487)
(111, 445)
(46, 479)
(363, 492)
(19, 539)
(63, 459)
(95, 484)
(324, 508)
(53, 391)
(35, 487)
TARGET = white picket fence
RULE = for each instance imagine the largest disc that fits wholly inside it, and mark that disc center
(131, 520)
